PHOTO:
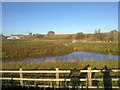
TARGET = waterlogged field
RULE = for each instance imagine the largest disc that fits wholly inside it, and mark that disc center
(20, 49)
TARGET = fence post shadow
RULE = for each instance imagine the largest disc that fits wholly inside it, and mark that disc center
(11, 82)
(84, 75)
(72, 80)
(107, 82)
(119, 83)
(95, 82)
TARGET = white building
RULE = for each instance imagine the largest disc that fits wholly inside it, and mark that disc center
(13, 37)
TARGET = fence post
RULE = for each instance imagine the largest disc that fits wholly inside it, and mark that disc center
(89, 77)
(21, 81)
(57, 77)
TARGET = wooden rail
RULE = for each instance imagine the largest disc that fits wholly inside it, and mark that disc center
(88, 80)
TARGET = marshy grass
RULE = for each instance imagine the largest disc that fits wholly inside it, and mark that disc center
(62, 65)
(21, 49)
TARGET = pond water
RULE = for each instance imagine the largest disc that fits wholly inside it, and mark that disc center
(74, 56)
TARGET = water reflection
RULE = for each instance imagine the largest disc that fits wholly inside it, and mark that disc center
(74, 56)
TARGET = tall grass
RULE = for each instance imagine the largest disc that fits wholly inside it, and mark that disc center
(63, 65)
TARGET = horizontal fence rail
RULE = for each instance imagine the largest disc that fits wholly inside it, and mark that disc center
(60, 71)
(88, 79)
(29, 79)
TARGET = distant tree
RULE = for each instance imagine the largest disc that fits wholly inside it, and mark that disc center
(33, 34)
(98, 35)
(30, 34)
(99, 31)
(79, 35)
(39, 35)
(51, 33)
(113, 31)
(95, 31)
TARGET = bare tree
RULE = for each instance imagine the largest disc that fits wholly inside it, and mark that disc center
(98, 35)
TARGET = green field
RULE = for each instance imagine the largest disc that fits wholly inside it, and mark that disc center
(20, 49)
(27, 49)
(106, 48)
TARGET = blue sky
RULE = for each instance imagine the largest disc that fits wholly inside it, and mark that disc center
(61, 17)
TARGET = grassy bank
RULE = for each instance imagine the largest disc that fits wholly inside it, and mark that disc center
(27, 49)
(63, 65)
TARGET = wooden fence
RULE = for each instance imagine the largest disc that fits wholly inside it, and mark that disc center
(88, 80)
